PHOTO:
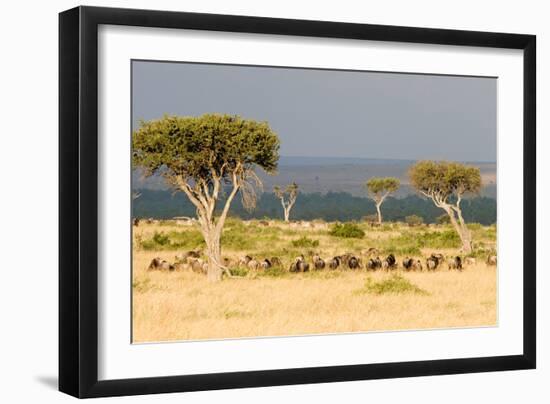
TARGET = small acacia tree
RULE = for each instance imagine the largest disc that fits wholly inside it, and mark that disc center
(440, 181)
(379, 189)
(288, 198)
(199, 155)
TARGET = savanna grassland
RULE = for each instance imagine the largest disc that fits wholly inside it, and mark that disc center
(183, 305)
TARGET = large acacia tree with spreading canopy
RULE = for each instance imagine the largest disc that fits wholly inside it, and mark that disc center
(379, 189)
(208, 157)
(445, 183)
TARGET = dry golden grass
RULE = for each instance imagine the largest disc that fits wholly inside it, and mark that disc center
(182, 305)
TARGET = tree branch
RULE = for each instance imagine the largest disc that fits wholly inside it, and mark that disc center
(236, 186)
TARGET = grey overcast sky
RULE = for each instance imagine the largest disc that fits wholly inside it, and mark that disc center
(327, 113)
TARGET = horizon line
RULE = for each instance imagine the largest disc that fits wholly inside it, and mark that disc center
(383, 158)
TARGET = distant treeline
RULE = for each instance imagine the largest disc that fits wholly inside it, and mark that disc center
(333, 206)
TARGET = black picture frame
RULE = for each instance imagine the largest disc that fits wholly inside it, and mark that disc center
(78, 201)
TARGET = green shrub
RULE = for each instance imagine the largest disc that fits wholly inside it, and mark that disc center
(238, 238)
(305, 242)
(347, 230)
(394, 285)
(402, 250)
(439, 239)
(174, 240)
(159, 241)
(414, 220)
(238, 271)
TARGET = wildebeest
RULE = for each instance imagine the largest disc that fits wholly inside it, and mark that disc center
(433, 261)
(189, 254)
(492, 260)
(253, 264)
(407, 263)
(374, 263)
(135, 221)
(197, 265)
(160, 264)
(334, 263)
(354, 262)
(276, 262)
(318, 262)
(266, 264)
(349, 260)
(389, 262)
(245, 260)
(418, 265)
(299, 265)
(412, 264)
(455, 263)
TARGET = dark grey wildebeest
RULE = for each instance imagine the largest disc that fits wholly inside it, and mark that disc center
(160, 264)
(374, 263)
(389, 262)
(299, 265)
(455, 263)
(266, 264)
(318, 262)
(334, 263)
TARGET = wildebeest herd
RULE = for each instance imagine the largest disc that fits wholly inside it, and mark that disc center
(369, 260)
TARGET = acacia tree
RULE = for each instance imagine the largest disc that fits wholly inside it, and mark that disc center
(287, 197)
(204, 157)
(379, 189)
(443, 181)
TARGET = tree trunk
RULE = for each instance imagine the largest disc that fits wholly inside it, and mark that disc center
(466, 236)
(461, 229)
(287, 215)
(379, 213)
(213, 252)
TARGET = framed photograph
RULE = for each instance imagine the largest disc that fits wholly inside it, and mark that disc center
(251, 201)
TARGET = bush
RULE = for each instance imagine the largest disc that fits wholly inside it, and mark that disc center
(305, 242)
(347, 230)
(159, 241)
(238, 271)
(414, 220)
(394, 285)
(174, 240)
(402, 250)
(443, 219)
(439, 239)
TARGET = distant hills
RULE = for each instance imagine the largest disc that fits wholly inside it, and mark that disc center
(338, 174)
